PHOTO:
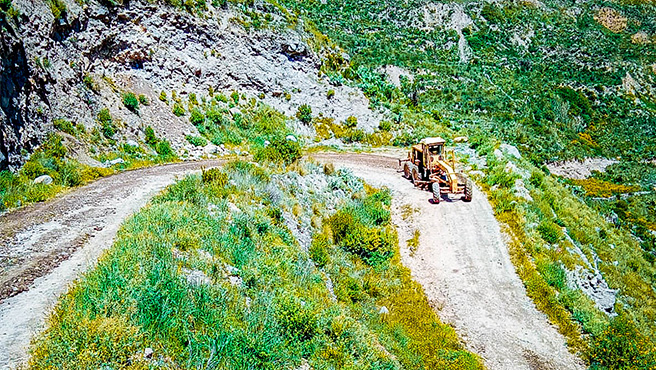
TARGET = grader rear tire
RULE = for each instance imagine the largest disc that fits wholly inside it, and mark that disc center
(415, 176)
(469, 190)
(437, 194)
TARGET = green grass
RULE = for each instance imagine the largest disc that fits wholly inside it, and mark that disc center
(54, 159)
(18, 189)
(541, 253)
(541, 99)
(264, 303)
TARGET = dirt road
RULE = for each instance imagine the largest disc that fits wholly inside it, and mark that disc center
(45, 246)
(464, 267)
(461, 262)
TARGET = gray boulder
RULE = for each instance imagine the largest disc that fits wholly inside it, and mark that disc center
(44, 179)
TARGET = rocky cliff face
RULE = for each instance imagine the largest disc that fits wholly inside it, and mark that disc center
(72, 66)
(20, 93)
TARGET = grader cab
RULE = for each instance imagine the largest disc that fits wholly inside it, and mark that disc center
(431, 166)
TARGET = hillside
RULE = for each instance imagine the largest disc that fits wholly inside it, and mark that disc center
(551, 109)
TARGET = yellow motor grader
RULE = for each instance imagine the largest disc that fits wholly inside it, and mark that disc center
(430, 165)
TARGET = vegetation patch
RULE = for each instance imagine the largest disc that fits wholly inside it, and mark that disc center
(263, 302)
(603, 189)
(131, 102)
(51, 159)
(545, 235)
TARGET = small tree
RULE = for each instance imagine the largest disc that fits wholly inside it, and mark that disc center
(304, 114)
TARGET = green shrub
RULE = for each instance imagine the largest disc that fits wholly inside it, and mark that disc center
(33, 168)
(143, 99)
(215, 175)
(104, 117)
(151, 138)
(106, 123)
(553, 274)
(319, 250)
(330, 94)
(163, 97)
(54, 147)
(550, 232)
(178, 110)
(235, 97)
(193, 100)
(579, 103)
(297, 318)
(304, 114)
(131, 102)
(69, 173)
(58, 8)
(280, 150)
(351, 122)
(365, 230)
(353, 135)
(64, 126)
(385, 126)
(163, 148)
(536, 178)
(221, 98)
(196, 140)
(197, 118)
(90, 83)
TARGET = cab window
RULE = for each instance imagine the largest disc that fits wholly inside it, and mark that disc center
(436, 149)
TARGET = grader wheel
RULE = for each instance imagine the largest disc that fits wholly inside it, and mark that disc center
(406, 171)
(415, 176)
(469, 189)
(436, 192)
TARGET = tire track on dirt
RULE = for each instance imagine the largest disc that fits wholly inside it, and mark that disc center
(463, 264)
(462, 261)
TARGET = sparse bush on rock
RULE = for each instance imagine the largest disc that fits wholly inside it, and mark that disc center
(131, 102)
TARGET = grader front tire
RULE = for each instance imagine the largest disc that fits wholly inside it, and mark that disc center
(437, 194)
(469, 190)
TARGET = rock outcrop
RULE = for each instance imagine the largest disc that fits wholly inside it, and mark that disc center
(73, 66)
